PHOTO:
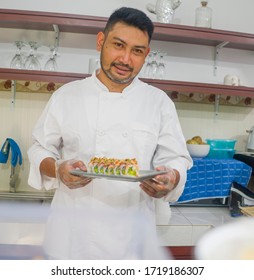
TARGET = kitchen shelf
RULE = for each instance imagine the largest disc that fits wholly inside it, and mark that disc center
(21, 19)
(166, 85)
(41, 76)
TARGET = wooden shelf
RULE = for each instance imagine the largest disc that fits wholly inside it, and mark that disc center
(41, 76)
(166, 85)
(21, 19)
(205, 88)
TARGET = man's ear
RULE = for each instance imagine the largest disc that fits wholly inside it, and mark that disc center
(100, 41)
(148, 51)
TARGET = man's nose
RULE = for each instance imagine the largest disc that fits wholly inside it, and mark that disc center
(125, 57)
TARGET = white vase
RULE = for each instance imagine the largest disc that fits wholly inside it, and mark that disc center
(164, 10)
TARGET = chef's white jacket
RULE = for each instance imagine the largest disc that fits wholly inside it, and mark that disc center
(82, 120)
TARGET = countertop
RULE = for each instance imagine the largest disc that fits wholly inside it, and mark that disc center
(21, 236)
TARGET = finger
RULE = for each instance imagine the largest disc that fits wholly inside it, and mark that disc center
(79, 164)
(147, 190)
(68, 177)
(153, 193)
(79, 184)
(154, 185)
(154, 189)
(161, 180)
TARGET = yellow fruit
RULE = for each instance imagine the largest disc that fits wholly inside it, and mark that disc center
(192, 142)
(198, 139)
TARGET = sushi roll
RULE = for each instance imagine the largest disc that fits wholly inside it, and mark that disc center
(130, 168)
(112, 166)
(117, 167)
(92, 164)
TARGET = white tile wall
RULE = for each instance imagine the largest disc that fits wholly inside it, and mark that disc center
(17, 122)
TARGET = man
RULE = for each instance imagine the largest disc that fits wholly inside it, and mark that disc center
(110, 114)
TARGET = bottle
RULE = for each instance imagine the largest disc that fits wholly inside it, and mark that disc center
(203, 15)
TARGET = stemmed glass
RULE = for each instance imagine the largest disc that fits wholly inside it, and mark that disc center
(32, 62)
(51, 64)
(17, 60)
(148, 67)
(161, 66)
(154, 64)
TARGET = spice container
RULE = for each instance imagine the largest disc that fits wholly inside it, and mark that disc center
(203, 15)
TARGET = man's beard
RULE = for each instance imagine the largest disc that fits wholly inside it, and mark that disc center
(114, 79)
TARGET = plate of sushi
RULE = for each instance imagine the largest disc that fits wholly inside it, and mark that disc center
(116, 169)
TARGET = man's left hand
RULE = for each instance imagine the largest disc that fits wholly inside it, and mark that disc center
(161, 185)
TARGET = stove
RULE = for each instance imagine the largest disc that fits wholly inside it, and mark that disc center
(250, 154)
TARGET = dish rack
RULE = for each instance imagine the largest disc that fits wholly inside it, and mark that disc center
(247, 210)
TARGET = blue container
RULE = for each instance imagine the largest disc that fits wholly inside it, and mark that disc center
(221, 143)
(221, 153)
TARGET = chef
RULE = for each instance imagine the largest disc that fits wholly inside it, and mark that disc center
(110, 114)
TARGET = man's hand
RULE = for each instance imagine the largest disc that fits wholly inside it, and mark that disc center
(161, 185)
(63, 169)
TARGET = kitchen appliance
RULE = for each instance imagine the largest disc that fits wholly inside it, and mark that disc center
(250, 143)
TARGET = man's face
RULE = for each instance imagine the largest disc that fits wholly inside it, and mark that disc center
(123, 53)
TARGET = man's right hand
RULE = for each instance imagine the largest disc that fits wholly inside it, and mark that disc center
(63, 169)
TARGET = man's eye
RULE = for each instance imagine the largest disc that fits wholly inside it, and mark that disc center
(138, 51)
(119, 45)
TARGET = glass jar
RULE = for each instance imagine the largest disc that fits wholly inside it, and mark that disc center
(203, 15)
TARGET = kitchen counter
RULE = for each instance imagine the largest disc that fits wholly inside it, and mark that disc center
(188, 224)
(21, 236)
(32, 196)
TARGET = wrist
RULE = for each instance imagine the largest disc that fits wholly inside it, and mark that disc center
(177, 177)
(47, 167)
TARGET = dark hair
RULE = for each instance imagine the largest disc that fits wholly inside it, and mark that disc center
(133, 17)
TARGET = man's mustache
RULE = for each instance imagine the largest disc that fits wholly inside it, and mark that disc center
(122, 65)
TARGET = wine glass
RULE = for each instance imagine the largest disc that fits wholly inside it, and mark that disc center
(154, 64)
(148, 67)
(17, 60)
(161, 66)
(32, 62)
(51, 64)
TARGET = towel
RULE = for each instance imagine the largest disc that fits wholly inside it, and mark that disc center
(16, 155)
(4, 153)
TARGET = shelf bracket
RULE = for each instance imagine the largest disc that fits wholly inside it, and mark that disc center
(218, 48)
(13, 93)
(57, 34)
(216, 105)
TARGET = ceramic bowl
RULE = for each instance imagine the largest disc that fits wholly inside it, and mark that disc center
(198, 150)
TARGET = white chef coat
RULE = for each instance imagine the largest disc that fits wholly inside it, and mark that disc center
(83, 119)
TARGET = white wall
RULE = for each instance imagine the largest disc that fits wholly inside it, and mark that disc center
(183, 62)
(227, 14)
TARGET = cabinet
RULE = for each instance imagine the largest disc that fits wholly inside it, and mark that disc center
(20, 19)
